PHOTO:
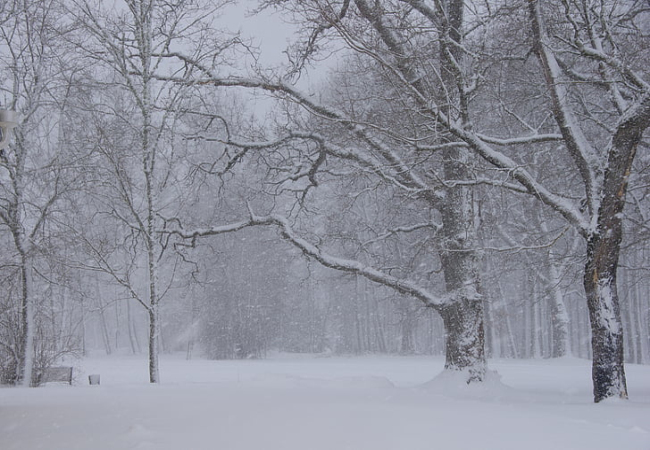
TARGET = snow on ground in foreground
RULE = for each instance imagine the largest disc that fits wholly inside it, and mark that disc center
(329, 403)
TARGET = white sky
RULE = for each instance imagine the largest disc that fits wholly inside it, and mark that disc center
(268, 30)
(272, 35)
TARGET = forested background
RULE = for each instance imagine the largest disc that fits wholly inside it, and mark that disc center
(151, 137)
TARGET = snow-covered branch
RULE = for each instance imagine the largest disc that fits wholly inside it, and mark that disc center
(402, 286)
(524, 140)
(561, 204)
(212, 231)
(406, 229)
(599, 55)
(351, 153)
(582, 152)
(479, 143)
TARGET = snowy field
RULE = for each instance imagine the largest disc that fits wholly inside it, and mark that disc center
(324, 403)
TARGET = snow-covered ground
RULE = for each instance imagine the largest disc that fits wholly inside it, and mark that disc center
(289, 402)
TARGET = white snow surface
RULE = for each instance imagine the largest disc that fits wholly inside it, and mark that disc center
(307, 402)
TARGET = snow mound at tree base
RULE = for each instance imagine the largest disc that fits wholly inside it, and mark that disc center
(453, 384)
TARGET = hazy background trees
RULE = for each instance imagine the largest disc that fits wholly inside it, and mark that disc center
(446, 141)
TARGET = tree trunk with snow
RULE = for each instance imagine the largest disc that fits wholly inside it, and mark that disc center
(463, 316)
(154, 332)
(605, 177)
(608, 372)
(26, 356)
(464, 345)
(559, 315)
(603, 250)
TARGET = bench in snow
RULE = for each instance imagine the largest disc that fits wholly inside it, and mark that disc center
(56, 374)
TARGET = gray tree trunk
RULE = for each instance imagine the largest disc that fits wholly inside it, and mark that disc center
(463, 316)
(26, 355)
(603, 250)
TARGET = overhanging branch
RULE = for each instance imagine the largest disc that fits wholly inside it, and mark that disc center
(402, 286)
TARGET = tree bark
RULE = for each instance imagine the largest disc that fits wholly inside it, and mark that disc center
(26, 355)
(154, 331)
(603, 251)
(559, 314)
(463, 316)
(465, 346)
(608, 372)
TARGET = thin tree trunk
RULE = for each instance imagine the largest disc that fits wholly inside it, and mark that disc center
(536, 338)
(135, 346)
(559, 314)
(406, 328)
(105, 335)
(636, 314)
(27, 317)
(84, 349)
(642, 331)
(154, 331)
(502, 318)
(116, 343)
(379, 328)
(527, 312)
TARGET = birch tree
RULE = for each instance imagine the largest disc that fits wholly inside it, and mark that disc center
(35, 169)
(127, 40)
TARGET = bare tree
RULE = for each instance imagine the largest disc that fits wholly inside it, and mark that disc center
(467, 49)
(135, 132)
(603, 161)
(593, 38)
(36, 176)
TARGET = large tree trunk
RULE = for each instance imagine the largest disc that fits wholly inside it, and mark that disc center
(603, 250)
(463, 316)
(465, 346)
(608, 372)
